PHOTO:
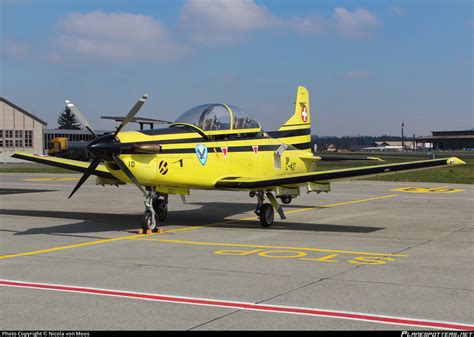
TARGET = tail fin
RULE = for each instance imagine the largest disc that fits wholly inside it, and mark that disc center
(298, 127)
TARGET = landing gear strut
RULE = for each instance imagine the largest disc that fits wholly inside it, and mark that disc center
(156, 210)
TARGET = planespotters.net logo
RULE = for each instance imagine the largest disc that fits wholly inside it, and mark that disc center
(437, 334)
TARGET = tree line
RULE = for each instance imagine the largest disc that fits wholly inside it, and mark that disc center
(352, 142)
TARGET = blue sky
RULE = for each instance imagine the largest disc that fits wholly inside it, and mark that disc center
(369, 65)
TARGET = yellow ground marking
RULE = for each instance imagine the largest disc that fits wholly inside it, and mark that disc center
(328, 206)
(326, 258)
(84, 244)
(190, 228)
(224, 244)
(412, 189)
(51, 179)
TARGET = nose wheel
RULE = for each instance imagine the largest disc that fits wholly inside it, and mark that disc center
(160, 206)
(156, 210)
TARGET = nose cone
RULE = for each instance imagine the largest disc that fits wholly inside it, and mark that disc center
(103, 147)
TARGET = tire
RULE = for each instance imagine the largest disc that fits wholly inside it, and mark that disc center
(252, 194)
(161, 209)
(266, 215)
(147, 223)
(286, 199)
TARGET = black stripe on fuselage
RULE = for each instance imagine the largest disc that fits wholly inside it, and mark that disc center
(230, 137)
(244, 148)
(289, 133)
(127, 148)
(330, 175)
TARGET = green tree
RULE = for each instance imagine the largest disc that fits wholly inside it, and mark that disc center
(67, 120)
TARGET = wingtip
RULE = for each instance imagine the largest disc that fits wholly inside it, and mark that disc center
(455, 161)
(376, 158)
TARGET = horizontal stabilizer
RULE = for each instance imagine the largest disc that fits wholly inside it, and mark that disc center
(343, 158)
(338, 158)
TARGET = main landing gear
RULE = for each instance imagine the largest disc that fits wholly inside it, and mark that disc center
(265, 211)
(156, 210)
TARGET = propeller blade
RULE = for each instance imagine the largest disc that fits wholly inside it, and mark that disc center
(131, 113)
(86, 175)
(81, 117)
(129, 174)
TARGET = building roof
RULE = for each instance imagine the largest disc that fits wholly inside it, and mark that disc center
(446, 137)
(453, 133)
(388, 143)
(16, 107)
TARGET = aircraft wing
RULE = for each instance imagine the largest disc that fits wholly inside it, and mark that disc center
(74, 165)
(331, 175)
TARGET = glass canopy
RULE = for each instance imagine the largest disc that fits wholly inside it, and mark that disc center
(211, 117)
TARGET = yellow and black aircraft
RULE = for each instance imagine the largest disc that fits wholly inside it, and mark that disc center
(216, 147)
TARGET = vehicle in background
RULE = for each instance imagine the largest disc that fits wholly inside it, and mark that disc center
(64, 148)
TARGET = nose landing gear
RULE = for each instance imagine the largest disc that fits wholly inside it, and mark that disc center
(156, 210)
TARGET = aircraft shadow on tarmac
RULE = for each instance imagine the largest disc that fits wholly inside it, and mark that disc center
(207, 213)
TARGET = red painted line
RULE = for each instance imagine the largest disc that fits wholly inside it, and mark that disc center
(245, 306)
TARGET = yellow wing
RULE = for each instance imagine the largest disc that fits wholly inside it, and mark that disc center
(74, 165)
(331, 175)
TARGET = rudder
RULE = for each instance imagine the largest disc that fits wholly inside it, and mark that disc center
(298, 127)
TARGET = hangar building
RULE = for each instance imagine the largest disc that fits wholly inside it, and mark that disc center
(450, 140)
(20, 130)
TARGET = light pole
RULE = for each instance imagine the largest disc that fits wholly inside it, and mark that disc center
(403, 142)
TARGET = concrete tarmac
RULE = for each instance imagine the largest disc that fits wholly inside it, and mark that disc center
(362, 248)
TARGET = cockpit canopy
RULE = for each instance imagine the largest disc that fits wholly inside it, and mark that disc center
(215, 117)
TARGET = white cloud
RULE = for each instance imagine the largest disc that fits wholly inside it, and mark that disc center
(354, 24)
(115, 36)
(127, 36)
(356, 75)
(309, 24)
(220, 22)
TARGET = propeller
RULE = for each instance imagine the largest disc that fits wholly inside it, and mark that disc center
(81, 117)
(86, 175)
(129, 174)
(133, 111)
(107, 146)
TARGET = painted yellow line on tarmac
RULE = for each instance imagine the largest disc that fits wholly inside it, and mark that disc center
(442, 189)
(267, 247)
(84, 244)
(196, 227)
(329, 205)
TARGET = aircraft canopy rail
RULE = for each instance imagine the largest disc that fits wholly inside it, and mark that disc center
(218, 117)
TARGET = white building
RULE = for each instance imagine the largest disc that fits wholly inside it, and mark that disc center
(20, 130)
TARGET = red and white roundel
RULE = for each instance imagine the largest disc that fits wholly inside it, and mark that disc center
(304, 114)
